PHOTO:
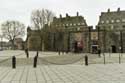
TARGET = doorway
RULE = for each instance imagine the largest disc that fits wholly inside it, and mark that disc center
(113, 48)
(94, 49)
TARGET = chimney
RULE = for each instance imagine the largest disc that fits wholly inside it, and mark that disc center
(67, 15)
(77, 13)
(28, 29)
(118, 10)
(60, 16)
(108, 10)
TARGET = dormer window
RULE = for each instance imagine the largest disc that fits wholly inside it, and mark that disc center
(117, 20)
(70, 24)
(112, 27)
(112, 21)
(79, 24)
(66, 24)
(82, 23)
(102, 21)
(78, 28)
(74, 24)
(63, 24)
(123, 20)
(107, 21)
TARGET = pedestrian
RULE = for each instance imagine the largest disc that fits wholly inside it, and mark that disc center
(35, 62)
(37, 53)
(27, 53)
(99, 52)
(59, 51)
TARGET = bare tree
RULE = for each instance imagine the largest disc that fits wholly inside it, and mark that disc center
(41, 17)
(12, 30)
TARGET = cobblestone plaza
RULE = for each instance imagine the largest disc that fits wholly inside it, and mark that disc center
(76, 72)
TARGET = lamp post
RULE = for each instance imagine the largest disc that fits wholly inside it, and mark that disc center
(104, 42)
(104, 45)
(1, 36)
(99, 48)
(89, 38)
(121, 44)
(68, 41)
(54, 41)
(68, 38)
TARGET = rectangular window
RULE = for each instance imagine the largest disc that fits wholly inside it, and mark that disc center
(123, 20)
(102, 21)
(112, 21)
(117, 20)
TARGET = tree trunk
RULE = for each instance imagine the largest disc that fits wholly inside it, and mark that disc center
(42, 45)
(13, 46)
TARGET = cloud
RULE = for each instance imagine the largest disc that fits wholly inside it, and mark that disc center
(90, 9)
(21, 9)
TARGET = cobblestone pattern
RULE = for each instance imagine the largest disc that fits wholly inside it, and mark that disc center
(111, 73)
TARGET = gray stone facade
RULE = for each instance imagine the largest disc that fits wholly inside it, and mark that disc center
(74, 29)
(111, 27)
(62, 34)
(33, 41)
(71, 32)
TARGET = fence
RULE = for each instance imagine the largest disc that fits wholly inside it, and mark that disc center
(63, 59)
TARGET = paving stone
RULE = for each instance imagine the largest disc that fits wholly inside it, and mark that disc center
(51, 73)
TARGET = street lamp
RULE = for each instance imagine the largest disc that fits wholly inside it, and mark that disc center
(90, 27)
(1, 36)
(121, 49)
(68, 38)
(68, 41)
(54, 41)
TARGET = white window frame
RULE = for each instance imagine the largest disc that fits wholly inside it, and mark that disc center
(102, 21)
(117, 20)
(107, 21)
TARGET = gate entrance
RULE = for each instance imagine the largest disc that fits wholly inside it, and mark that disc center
(113, 49)
(94, 49)
(78, 46)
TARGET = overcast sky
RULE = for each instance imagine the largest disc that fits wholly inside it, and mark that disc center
(90, 9)
(21, 9)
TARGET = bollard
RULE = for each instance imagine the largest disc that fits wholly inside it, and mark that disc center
(119, 59)
(37, 53)
(104, 57)
(27, 53)
(13, 62)
(35, 62)
(109, 53)
(99, 53)
(59, 52)
(86, 60)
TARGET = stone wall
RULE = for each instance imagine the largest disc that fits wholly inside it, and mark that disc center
(110, 24)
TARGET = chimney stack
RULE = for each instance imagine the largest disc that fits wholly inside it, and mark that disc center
(108, 10)
(67, 15)
(77, 13)
(60, 16)
(118, 10)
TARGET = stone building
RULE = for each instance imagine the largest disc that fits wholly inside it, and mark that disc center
(18, 42)
(94, 41)
(70, 33)
(111, 31)
(33, 41)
